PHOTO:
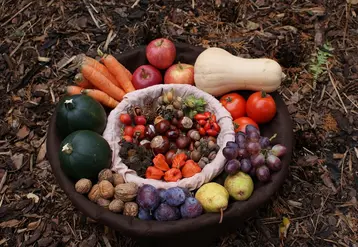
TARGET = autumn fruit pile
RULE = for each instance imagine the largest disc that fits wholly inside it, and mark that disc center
(169, 138)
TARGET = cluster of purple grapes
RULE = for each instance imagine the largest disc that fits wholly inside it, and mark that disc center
(253, 154)
(167, 204)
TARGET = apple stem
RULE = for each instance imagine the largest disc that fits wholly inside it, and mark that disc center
(160, 42)
(180, 66)
(144, 74)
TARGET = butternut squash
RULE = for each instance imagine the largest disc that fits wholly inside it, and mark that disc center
(216, 71)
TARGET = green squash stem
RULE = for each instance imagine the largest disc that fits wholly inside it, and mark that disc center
(67, 148)
(69, 104)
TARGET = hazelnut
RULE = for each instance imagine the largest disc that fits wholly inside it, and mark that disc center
(116, 206)
(94, 193)
(83, 186)
(106, 189)
(105, 174)
(126, 192)
(130, 209)
(103, 202)
(117, 179)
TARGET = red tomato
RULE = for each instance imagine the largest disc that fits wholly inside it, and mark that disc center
(235, 104)
(125, 119)
(261, 107)
(128, 138)
(240, 123)
(139, 130)
(128, 130)
(140, 120)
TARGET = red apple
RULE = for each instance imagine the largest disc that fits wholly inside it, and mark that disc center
(161, 53)
(180, 73)
(146, 76)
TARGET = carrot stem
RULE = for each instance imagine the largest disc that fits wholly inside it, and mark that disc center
(82, 82)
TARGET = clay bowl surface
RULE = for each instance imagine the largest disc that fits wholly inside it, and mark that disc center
(206, 224)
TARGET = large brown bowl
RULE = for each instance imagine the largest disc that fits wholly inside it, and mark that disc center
(197, 232)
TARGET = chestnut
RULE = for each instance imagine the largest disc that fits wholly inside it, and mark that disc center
(185, 123)
(162, 126)
(145, 143)
(182, 142)
(172, 134)
(169, 156)
(160, 144)
(150, 131)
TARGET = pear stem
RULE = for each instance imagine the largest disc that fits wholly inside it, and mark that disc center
(221, 215)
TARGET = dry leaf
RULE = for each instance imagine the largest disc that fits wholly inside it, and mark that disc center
(17, 160)
(326, 178)
(352, 1)
(34, 197)
(23, 132)
(42, 153)
(284, 225)
(10, 223)
(33, 225)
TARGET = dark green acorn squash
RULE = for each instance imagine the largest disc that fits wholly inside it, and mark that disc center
(80, 112)
(83, 154)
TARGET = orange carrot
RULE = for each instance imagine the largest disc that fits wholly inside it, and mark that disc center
(101, 97)
(72, 90)
(102, 83)
(82, 82)
(119, 72)
(128, 73)
(100, 68)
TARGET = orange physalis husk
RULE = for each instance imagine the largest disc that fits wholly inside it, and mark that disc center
(173, 175)
(160, 163)
(190, 169)
(179, 160)
(154, 173)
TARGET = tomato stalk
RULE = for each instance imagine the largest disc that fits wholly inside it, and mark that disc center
(263, 94)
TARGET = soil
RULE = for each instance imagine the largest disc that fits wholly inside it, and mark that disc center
(317, 206)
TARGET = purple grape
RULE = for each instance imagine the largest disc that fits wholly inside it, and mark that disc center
(273, 162)
(264, 142)
(250, 129)
(245, 165)
(242, 153)
(253, 136)
(278, 150)
(144, 214)
(240, 139)
(191, 208)
(148, 197)
(252, 172)
(166, 212)
(174, 196)
(232, 166)
(253, 147)
(263, 174)
(230, 153)
(232, 144)
(257, 160)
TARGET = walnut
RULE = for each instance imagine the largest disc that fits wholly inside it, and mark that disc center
(117, 179)
(106, 189)
(130, 209)
(103, 202)
(105, 174)
(94, 193)
(83, 186)
(116, 206)
(126, 192)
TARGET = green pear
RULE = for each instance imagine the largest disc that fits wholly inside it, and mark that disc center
(240, 186)
(213, 197)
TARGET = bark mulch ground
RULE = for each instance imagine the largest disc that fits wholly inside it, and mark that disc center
(315, 42)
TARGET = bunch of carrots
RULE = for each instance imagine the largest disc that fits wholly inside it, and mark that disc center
(106, 81)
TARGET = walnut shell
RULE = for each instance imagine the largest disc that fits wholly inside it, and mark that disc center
(126, 192)
(106, 189)
(94, 193)
(105, 174)
(83, 186)
(117, 179)
(116, 206)
(103, 202)
(130, 209)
